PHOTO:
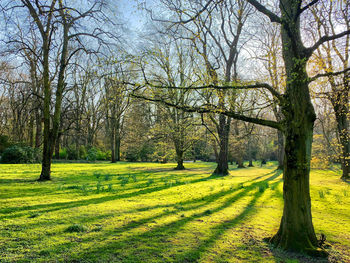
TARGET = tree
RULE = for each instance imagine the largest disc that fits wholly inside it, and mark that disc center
(170, 61)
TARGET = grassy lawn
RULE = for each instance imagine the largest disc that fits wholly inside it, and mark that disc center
(146, 212)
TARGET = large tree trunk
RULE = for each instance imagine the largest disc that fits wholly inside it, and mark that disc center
(280, 150)
(223, 133)
(296, 230)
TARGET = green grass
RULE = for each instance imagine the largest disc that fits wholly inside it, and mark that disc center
(146, 212)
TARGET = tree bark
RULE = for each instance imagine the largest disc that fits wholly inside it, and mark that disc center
(296, 231)
(57, 146)
(280, 150)
(223, 134)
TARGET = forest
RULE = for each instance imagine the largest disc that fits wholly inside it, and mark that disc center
(174, 131)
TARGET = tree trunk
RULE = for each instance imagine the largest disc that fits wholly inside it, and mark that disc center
(250, 163)
(38, 130)
(240, 163)
(112, 138)
(50, 135)
(180, 160)
(117, 146)
(223, 133)
(296, 230)
(46, 164)
(47, 156)
(280, 150)
(31, 131)
(250, 152)
(57, 146)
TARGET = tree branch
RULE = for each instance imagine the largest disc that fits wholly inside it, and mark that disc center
(307, 6)
(310, 50)
(211, 109)
(273, 91)
(327, 74)
(262, 9)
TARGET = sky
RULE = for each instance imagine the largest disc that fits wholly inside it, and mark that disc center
(132, 13)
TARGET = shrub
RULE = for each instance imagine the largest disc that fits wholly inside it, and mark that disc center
(33, 155)
(131, 154)
(4, 143)
(18, 154)
(101, 156)
(92, 154)
(14, 154)
(63, 153)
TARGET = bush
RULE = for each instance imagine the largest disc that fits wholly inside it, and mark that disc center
(92, 154)
(96, 154)
(101, 156)
(18, 154)
(63, 153)
(34, 155)
(4, 143)
(131, 154)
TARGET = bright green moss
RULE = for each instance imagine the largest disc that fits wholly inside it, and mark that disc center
(146, 212)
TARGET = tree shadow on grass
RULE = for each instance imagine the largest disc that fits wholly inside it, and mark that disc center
(17, 180)
(45, 208)
(195, 254)
(181, 206)
(65, 205)
(159, 235)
